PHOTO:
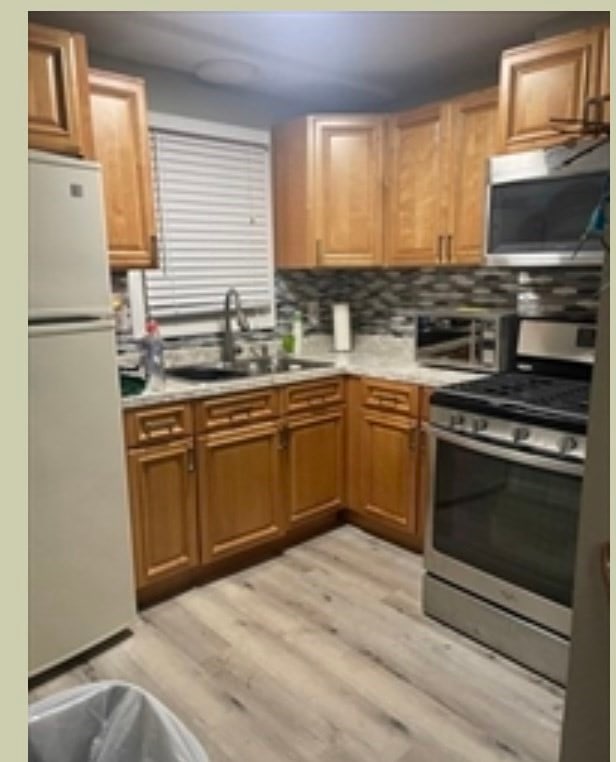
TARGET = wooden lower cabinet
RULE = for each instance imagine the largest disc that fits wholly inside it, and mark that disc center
(389, 469)
(239, 489)
(164, 512)
(313, 464)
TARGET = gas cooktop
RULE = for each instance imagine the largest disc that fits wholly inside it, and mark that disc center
(527, 397)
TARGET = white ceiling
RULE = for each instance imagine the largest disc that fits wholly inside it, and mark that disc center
(329, 60)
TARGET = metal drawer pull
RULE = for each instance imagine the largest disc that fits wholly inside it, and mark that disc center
(190, 459)
(160, 423)
(381, 400)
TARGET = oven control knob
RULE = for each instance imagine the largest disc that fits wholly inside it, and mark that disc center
(520, 433)
(456, 420)
(567, 444)
(479, 424)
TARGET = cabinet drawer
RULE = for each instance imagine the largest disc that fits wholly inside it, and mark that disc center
(391, 397)
(313, 394)
(221, 412)
(158, 424)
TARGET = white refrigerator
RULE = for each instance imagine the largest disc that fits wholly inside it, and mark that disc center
(79, 554)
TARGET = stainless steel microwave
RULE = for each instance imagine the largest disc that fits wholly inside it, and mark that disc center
(467, 339)
(538, 206)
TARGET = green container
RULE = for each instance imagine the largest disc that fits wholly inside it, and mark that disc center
(131, 385)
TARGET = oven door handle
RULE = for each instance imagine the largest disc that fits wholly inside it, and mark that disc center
(515, 456)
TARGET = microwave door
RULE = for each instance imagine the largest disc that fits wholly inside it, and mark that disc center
(540, 221)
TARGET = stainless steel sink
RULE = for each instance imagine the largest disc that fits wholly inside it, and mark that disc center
(244, 368)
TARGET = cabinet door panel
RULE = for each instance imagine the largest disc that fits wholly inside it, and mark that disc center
(546, 79)
(121, 145)
(473, 139)
(54, 82)
(416, 187)
(162, 487)
(348, 191)
(239, 488)
(389, 469)
(315, 466)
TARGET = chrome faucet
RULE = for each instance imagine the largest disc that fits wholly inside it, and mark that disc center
(228, 344)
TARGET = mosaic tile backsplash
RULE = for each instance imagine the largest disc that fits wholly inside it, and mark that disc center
(384, 301)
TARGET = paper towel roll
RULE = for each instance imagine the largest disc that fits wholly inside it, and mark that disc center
(342, 327)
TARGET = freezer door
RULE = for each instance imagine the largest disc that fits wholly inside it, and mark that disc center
(80, 565)
(68, 273)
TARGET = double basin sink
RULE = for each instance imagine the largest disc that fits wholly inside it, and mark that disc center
(244, 369)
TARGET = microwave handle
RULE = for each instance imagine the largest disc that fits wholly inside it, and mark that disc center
(506, 453)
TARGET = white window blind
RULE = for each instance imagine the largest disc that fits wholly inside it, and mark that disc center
(214, 227)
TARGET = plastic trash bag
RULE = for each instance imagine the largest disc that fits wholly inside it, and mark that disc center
(108, 721)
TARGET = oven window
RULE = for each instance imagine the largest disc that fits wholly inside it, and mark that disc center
(544, 215)
(512, 521)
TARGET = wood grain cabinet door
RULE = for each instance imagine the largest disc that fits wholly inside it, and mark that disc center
(348, 193)
(314, 464)
(543, 80)
(239, 489)
(164, 512)
(121, 145)
(389, 469)
(57, 91)
(474, 137)
(416, 187)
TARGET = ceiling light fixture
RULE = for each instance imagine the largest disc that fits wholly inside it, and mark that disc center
(227, 71)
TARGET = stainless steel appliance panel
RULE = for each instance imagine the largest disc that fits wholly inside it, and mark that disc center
(538, 206)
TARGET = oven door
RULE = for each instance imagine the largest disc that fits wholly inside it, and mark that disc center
(503, 525)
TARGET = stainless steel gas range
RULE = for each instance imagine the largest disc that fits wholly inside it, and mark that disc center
(507, 458)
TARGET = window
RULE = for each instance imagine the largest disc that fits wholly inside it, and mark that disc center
(213, 210)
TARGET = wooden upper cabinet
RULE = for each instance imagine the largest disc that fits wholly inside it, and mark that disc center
(348, 190)
(121, 145)
(474, 138)
(58, 109)
(416, 186)
(328, 191)
(551, 78)
(436, 174)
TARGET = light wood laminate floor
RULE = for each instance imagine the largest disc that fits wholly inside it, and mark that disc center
(323, 655)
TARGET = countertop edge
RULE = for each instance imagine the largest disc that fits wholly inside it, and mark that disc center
(180, 390)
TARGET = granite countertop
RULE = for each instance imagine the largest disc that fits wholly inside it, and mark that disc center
(378, 357)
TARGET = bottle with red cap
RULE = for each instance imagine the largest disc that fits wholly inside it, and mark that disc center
(153, 356)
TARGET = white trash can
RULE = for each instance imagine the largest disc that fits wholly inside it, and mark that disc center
(108, 721)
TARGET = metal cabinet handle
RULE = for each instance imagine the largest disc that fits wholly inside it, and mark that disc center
(190, 459)
(449, 246)
(439, 249)
(159, 423)
(283, 437)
